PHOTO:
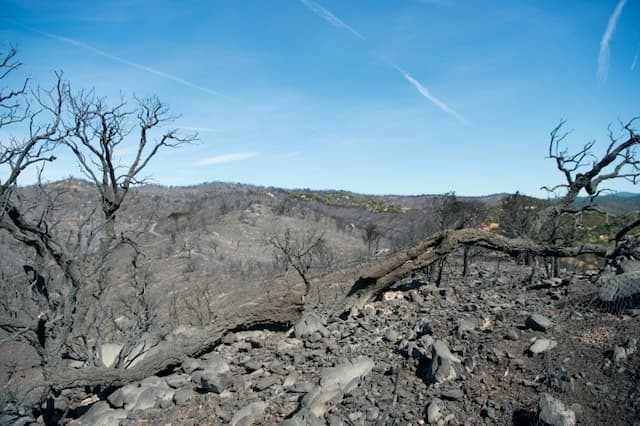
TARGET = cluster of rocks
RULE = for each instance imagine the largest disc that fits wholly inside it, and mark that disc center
(478, 351)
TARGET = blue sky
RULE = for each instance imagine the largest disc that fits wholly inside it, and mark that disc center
(388, 96)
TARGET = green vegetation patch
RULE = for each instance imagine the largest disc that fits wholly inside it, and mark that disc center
(346, 199)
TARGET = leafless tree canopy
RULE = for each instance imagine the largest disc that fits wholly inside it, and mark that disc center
(58, 307)
(299, 252)
(581, 175)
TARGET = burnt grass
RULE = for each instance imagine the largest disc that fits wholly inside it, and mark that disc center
(504, 382)
(218, 249)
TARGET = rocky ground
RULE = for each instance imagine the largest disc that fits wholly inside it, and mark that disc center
(490, 348)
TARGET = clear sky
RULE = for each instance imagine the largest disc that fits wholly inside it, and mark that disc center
(374, 96)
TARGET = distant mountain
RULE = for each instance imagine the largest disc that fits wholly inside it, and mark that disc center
(618, 203)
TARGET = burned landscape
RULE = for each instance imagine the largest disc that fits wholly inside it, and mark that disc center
(126, 302)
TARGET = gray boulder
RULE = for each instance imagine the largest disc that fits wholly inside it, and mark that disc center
(142, 395)
(303, 417)
(183, 395)
(538, 322)
(553, 412)
(542, 345)
(101, 414)
(434, 411)
(334, 382)
(310, 324)
(249, 414)
(212, 381)
(109, 353)
(441, 368)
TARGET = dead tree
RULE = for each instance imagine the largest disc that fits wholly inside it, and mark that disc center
(618, 162)
(371, 236)
(96, 131)
(300, 252)
(61, 293)
(453, 213)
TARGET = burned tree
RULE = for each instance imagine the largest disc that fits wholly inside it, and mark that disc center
(59, 297)
(300, 252)
(96, 131)
(371, 236)
(452, 213)
(618, 162)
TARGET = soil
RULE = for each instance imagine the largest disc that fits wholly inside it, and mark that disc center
(500, 384)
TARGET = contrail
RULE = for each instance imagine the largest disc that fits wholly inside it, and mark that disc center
(126, 62)
(326, 14)
(427, 94)
(337, 22)
(603, 56)
(226, 158)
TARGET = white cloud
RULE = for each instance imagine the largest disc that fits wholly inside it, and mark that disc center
(226, 158)
(427, 94)
(604, 54)
(634, 62)
(328, 16)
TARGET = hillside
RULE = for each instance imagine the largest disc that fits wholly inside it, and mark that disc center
(208, 256)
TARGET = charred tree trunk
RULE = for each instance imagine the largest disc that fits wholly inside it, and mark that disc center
(465, 261)
(173, 350)
(431, 250)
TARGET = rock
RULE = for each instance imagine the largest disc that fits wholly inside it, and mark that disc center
(542, 345)
(101, 414)
(141, 395)
(512, 334)
(308, 325)
(434, 411)
(441, 367)
(452, 394)
(249, 414)
(618, 354)
(290, 380)
(372, 414)
(554, 413)
(109, 353)
(538, 322)
(334, 382)
(191, 364)
(177, 380)
(410, 349)
(266, 382)
(423, 327)
(151, 396)
(210, 381)
(183, 395)
(391, 335)
(303, 417)
(301, 387)
(229, 339)
(346, 376)
(320, 399)
(215, 363)
(288, 346)
(466, 325)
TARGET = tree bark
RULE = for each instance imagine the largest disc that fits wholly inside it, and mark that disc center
(380, 277)
(277, 312)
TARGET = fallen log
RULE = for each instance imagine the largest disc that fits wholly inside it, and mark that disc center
(276, 312)
(380, 277)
